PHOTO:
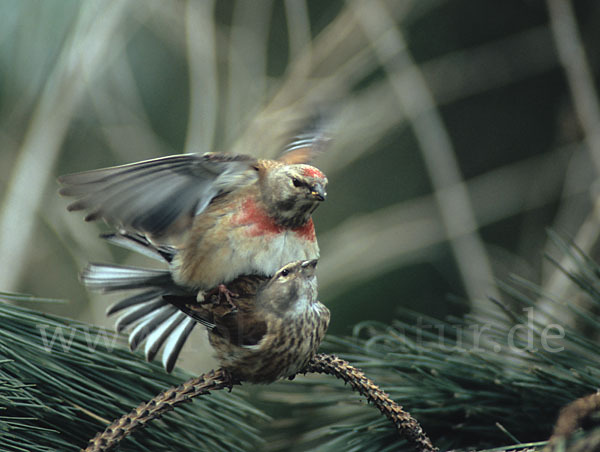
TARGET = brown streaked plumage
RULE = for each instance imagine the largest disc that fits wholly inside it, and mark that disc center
(274, 329)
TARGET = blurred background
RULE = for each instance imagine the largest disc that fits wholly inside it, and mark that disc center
(463, 130)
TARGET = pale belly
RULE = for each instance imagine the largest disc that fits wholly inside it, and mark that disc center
(219, 262)
(269, 253)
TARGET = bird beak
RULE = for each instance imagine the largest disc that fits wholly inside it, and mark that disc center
(309, 267)
(318, 192)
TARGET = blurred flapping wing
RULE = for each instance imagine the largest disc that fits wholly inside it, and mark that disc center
(156, 196)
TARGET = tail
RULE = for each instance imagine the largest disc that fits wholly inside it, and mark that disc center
(146, 314)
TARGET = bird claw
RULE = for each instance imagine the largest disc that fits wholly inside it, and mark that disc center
(221, 295)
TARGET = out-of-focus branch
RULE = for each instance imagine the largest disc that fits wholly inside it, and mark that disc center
(202, 58)
(416, 100)
(571, 54)
(324, 73)
(247, 61)
(375, 242)
(83, 57)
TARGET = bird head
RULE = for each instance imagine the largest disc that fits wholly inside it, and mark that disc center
(291, 193)
(291, 290)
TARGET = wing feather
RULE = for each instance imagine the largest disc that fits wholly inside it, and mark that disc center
(308, 144)
(150, 196)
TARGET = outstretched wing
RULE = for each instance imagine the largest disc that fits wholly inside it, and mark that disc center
(308, 144)
(156, 196)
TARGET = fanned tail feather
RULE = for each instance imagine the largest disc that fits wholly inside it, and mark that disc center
(109, 278)
(146, 314)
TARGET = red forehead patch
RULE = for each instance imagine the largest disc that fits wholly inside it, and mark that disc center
(311, 171)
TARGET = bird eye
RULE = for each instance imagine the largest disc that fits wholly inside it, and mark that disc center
(296, 182)
(285, 272)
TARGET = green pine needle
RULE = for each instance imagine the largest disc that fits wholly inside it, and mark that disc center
(61, 380)
(473, 383)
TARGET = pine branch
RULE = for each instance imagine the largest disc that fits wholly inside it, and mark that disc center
(159, 405)
(572, 415)
(588, 443)
(61, 380)
(139, 417)
(406, 425)
(475, 382)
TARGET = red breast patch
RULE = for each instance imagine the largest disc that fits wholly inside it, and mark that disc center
(254, 216)
(259, 223)
(307, 231)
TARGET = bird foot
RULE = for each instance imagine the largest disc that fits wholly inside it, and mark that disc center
(221, 295)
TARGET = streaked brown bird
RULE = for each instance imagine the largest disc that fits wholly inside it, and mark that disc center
(223, 215)
(271, 332)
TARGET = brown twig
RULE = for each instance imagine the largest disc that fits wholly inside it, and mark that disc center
(165, 401)
(572, 415)
(589, 443)
(407, 426)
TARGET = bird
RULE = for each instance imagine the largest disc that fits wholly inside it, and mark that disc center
(224, 215)
(271, 332)
(274, 330)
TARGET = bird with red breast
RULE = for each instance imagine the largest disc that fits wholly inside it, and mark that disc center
(213, 217)
(225, 215)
